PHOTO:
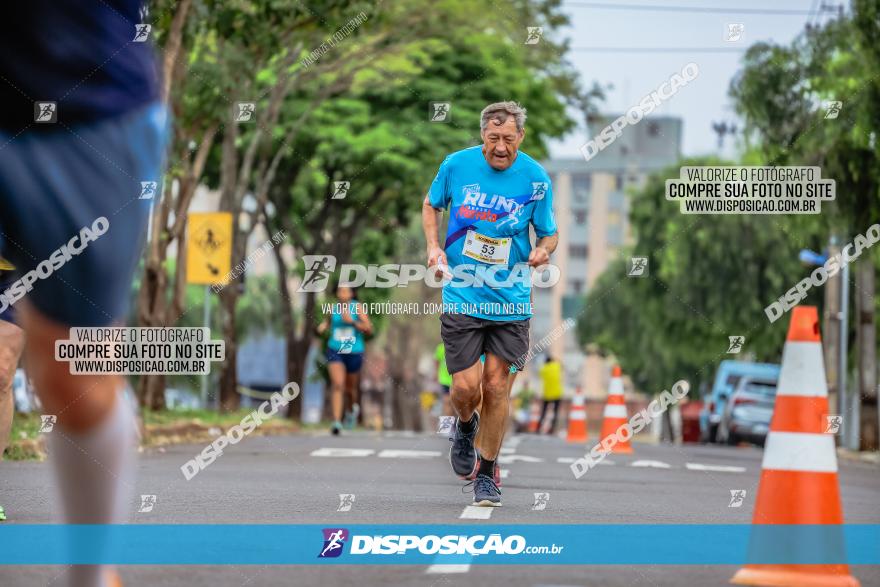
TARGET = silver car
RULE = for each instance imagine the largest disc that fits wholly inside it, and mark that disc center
(748, 412)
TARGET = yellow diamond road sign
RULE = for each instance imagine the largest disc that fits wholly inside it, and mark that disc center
(208, 248)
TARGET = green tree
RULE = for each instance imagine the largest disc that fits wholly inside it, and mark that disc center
(709, 277)
(378, 136)
(780, 93)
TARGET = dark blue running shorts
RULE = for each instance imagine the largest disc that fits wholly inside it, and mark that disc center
(352, 361)
(56, 182)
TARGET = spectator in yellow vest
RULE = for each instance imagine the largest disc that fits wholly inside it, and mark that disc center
(551, 378)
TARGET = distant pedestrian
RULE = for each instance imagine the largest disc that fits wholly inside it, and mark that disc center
(551, 379)
(443, 377)
(348, 323)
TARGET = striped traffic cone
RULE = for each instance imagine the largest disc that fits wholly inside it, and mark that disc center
(577, 419)
(799, 472)
(615, 412)
(534, 416)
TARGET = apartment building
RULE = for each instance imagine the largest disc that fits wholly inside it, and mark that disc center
(592, 210)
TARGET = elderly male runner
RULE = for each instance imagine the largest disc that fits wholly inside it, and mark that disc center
(493, 192)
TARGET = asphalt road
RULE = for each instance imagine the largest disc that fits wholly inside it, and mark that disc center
(402, 478)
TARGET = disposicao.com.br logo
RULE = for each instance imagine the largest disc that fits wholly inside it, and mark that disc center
(431, 544)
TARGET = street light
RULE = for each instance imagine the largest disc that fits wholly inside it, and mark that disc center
(850, 424)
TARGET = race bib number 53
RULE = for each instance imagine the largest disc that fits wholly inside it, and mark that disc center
(495, 251)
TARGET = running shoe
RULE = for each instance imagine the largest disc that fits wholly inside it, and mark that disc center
(462, 454)
(486, 492)
(351, 418)
(336, 428)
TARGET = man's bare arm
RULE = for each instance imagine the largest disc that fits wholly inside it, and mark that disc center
(430, 224)
(540, 255)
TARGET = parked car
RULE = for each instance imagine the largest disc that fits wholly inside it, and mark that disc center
(690, 421)
(726, 378)
(748, 412)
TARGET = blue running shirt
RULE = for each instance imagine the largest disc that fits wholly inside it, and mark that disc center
(344, 337)
(490, 210)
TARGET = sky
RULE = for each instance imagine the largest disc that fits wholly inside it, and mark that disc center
(635, 74)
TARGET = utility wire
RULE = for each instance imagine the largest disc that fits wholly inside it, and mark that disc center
(660, 49)
(670, 8)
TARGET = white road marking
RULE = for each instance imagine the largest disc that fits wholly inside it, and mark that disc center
(394, 453)
(476, 512)
(568, 460)
(513, 442)
(718, 468)
(505, 473)
(507, 459)
(342, 452)
(438, 569)
(652, 464)
(506, 450)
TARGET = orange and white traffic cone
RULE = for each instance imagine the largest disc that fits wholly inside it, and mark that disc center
(534, 416)
(577, 419)
(799, 472)
(615, 412)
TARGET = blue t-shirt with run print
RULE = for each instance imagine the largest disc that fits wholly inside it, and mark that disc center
(488, 234)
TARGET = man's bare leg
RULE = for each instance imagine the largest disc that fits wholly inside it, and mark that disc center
(478, 442)
(465, 397)
(93, 445)
(496, 409)
(11, 345)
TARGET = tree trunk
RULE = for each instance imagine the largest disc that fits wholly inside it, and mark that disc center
(172, 46)
(866, 345)
(229, 399)
(831, 334)
(151, 306)
(154, 392)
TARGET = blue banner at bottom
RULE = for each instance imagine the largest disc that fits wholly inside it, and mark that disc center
(421, 544)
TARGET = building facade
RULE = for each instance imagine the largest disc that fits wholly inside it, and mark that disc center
(592, 210)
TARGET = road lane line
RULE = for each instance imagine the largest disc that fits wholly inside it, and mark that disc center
(507, 459)
(476, 512)
(441, 568)
(568, 460)
(651, 464)
(718, 468)
(342, 452)
(394, 453)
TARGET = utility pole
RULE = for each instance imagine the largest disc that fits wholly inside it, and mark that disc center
(866, 347)
(831, 331)
(850, 406)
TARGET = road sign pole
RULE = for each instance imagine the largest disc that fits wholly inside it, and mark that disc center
(207, 322)
(150, 223)
(851, 418)
(208, 262)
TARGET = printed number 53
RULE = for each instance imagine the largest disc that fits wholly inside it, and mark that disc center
(488, 249)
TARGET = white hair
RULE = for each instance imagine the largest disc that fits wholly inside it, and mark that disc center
(500, 111)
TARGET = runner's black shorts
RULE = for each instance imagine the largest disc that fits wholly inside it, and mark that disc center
(466, 338)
